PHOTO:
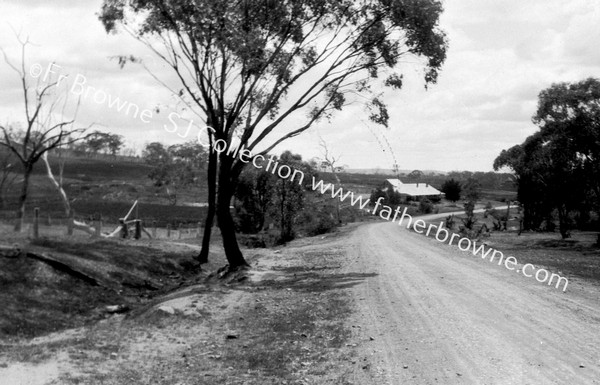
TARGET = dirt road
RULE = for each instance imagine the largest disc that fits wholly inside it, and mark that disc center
(441, 316)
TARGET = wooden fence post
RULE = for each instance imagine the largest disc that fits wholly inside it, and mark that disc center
(70, 223)
(179, 230)
(199, 233)
(124, 230)
(138, 229)
(36, 223)
(154, 229)
(98, 228)
(168, 230)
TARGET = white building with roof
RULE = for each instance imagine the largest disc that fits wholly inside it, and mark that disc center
(414, 190)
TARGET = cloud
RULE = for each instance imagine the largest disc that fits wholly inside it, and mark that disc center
(502, 54)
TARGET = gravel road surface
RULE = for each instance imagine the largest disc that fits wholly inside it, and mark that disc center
(439, 315)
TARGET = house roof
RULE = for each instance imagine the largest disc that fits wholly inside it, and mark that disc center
(413, 189)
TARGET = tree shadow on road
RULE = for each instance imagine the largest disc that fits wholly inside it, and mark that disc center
(311, 281)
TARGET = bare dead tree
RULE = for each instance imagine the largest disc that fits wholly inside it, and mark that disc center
(45, 127)
(331, 161)
(58, 185)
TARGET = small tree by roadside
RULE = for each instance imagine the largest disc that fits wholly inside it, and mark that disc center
(263, 197)
(472, 190)
(450, 222)
(253, 199)
(425, 206)
(469, 220)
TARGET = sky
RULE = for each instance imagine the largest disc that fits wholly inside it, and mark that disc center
(502, 53)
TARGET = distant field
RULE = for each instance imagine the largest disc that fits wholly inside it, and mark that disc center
(94, 169)
(498, 195)
(107, 186)
(111, 211)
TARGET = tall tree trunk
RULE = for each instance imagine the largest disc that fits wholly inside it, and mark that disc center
(233, 254)
(23, 198)
(210, 214)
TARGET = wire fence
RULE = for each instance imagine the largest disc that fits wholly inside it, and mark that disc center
(37, 223)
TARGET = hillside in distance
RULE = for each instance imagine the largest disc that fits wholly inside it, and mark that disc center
(108, 186)
(389, 171)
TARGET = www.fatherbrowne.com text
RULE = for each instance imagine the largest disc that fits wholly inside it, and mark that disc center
(270, 164)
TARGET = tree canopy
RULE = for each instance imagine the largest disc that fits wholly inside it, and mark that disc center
(247, 66)
(238, 60)
(452, 189)
(557, 168)
(178, 165)
(99, 141)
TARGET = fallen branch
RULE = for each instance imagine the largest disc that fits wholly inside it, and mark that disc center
(114, 233)
(83, 227)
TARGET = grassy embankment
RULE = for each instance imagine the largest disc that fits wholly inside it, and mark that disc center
(286, 326)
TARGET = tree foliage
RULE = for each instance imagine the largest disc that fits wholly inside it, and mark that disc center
(263, 197)
(176, 166)
(471, 190)
(390, 196)
(416, 174)
(247, 66)
(254, 197)
(97, 142)
(452, 189)
(557, 169)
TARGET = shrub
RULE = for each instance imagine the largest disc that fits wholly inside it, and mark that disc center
(317, 222)
(348, 214)
(470, 219)
(323, 224)
(452, 189)
(450, 222)
(425, 206)
(499, 219)
(435, 198)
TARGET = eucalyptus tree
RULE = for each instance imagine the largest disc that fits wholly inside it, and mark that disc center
(558, 167)
(259, 72)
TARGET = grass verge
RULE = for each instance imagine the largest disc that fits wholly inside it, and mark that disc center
(287, 328)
